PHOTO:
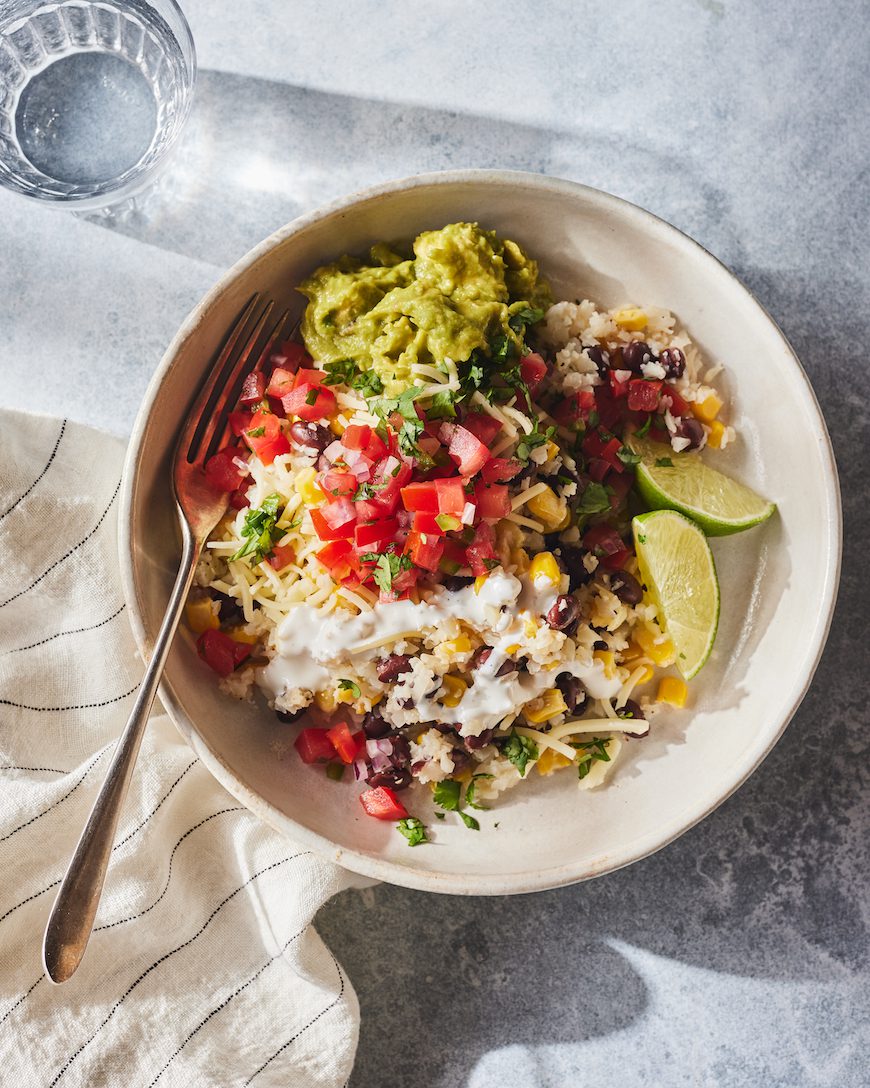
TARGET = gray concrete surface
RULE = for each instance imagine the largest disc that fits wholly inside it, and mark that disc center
(738, 956)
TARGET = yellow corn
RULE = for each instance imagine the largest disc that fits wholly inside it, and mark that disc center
(479, 582)
(548, 508)
(546, 706)
(375, 699)
(460, 645)
(202, 615)
(646, 676)
(714, 438)
(344, 696)
(531, 629)
(544, 565)
(630, 318)
(672, 690)
(325, 701)
(307, 489)
(514, 648)
(608, 661)
(707, 409)
(520, 559)
(632, 652)
(454, 688)
(661, 653)
(551, 760)
(552, 450)
(336, 426)
(239, 634)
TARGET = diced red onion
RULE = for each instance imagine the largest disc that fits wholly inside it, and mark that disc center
(445, 432)
(338, 513)
(334, 451)
(360, 769)
(362, 471)
(468, 513)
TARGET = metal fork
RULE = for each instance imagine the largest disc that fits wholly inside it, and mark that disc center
(199, 510)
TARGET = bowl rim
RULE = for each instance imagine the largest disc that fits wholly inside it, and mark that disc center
(380, 868)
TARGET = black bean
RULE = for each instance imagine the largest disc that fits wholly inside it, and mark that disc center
(401, 751)
(479, 741)
(480, 657)
(674, 362)
(626, 587)
(631, 710)
(455, 582)
(374, 725)
(692, 429)
(230, 609)
(564, 612)
(397, 778)
(572, 690)
(599, 644)
(461, 759)
(552, 541)
(286, 717)
(601, 358)
(506, 668)
(311, 435)
(635, 353)
(389, 668)
(572, 560)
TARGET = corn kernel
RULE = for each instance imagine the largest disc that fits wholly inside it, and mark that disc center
(306, 488)
(608, 661)
(520, 560)
(202, 615)
(375, 699)
(514, 648)
(632, 652)
(565, 522)
(630, 318)
(552, 450)
(454, 688)
(546, 706)
(707, 409)
(646, 675)
(531, 629)
(661, 653)
(544, 565)
(480, 582)
(460, 645)
(344, 695)
(714, 438)
(672, 690)
(551, 760)
(548, 508)
(325, 700)
(336, 426)
(239, 634)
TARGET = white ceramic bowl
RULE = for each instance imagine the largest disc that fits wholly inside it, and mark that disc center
(778, 582)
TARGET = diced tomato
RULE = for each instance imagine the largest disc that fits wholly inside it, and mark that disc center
(659, 433)
(609, 408)
(598, 469)
(282, 556)
(425, 549)
(482, 426)
(610, 454)
(289, 355)
(325, 530)
(603, 539)
(239, 500)
(339, 559)
(338, 484)
(481, 552)
(276, 447)
(309, 402)
(339, 512)
(617, 388)
(356, 436)
(272, 442)
(308, 377)
(533, 370)
(220, 652)
(498, 470)
(567, 412)
(376, 533)
(420, 496)
(451, 496)
(643, 396)
(592, 444)
(621, 485)
(366, 510)
(281, 382)
(239, 422)
(679, 407)
(383, 804)
(453, 558)
(492, 501)
(221, 470)
(617, 560)
(343, 742)
(467, 451)
(314, 746)
(390, 475)
(376, 447)
(253, 388)
(425, 522)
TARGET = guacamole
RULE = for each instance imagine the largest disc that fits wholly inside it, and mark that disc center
(455, 296)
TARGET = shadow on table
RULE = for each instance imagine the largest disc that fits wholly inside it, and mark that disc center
(256, 153)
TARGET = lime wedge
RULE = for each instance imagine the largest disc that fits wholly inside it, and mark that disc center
(677, 567)
(681, 481)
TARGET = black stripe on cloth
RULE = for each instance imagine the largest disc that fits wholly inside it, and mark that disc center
(302, 1030)
(166, 956)
(63, 558)
(69, 792)
(29, 899)
(47, 770)
(76, 706)
(21, 498)
(136, 830)
(21, 999)
(190, 831)
(226, 1002)
(62, 634)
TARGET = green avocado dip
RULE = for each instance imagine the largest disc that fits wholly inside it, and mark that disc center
(464, 291)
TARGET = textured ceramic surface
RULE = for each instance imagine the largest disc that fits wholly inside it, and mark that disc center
(777, 580)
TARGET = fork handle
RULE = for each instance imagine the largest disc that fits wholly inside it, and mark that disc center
(72, 916)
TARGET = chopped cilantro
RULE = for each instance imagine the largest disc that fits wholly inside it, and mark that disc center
(519, 750)
(257, 432)
(349, 685)
(442, 405)
(311, 396)
(627, 456)
(529, 442)
(260, 531)
(470, 793)
(469, 821)
(440, 815)
(335, 771)
(389, 565)
(413, 830)
(588, 752)
(346, 372)
(527, 316)
(447, 793)
(664, 462)
(595, 499)
(642, 538)
(641, 431)
(501, 348)
(411, 428)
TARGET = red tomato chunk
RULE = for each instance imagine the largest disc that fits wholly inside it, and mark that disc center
(314, 746)
(220, 652)
(383, 804)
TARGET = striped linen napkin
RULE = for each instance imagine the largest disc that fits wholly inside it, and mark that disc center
(204, 967)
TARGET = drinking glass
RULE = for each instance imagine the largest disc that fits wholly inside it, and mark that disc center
(92, 97)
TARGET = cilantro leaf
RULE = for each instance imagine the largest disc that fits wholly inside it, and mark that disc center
(522, 318)
(641, 431)
(627, 456)
(442, 405)
(411, 428)
(389, 566)
(664, 462)
(346, 372)
(588, 752)
(469, 821)
(349, 685)
(311, 396)
(595, 499)
(531, 441)
(470, 793)
(519, 750)
(446, 794)
(260, 531)
(413, 830)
